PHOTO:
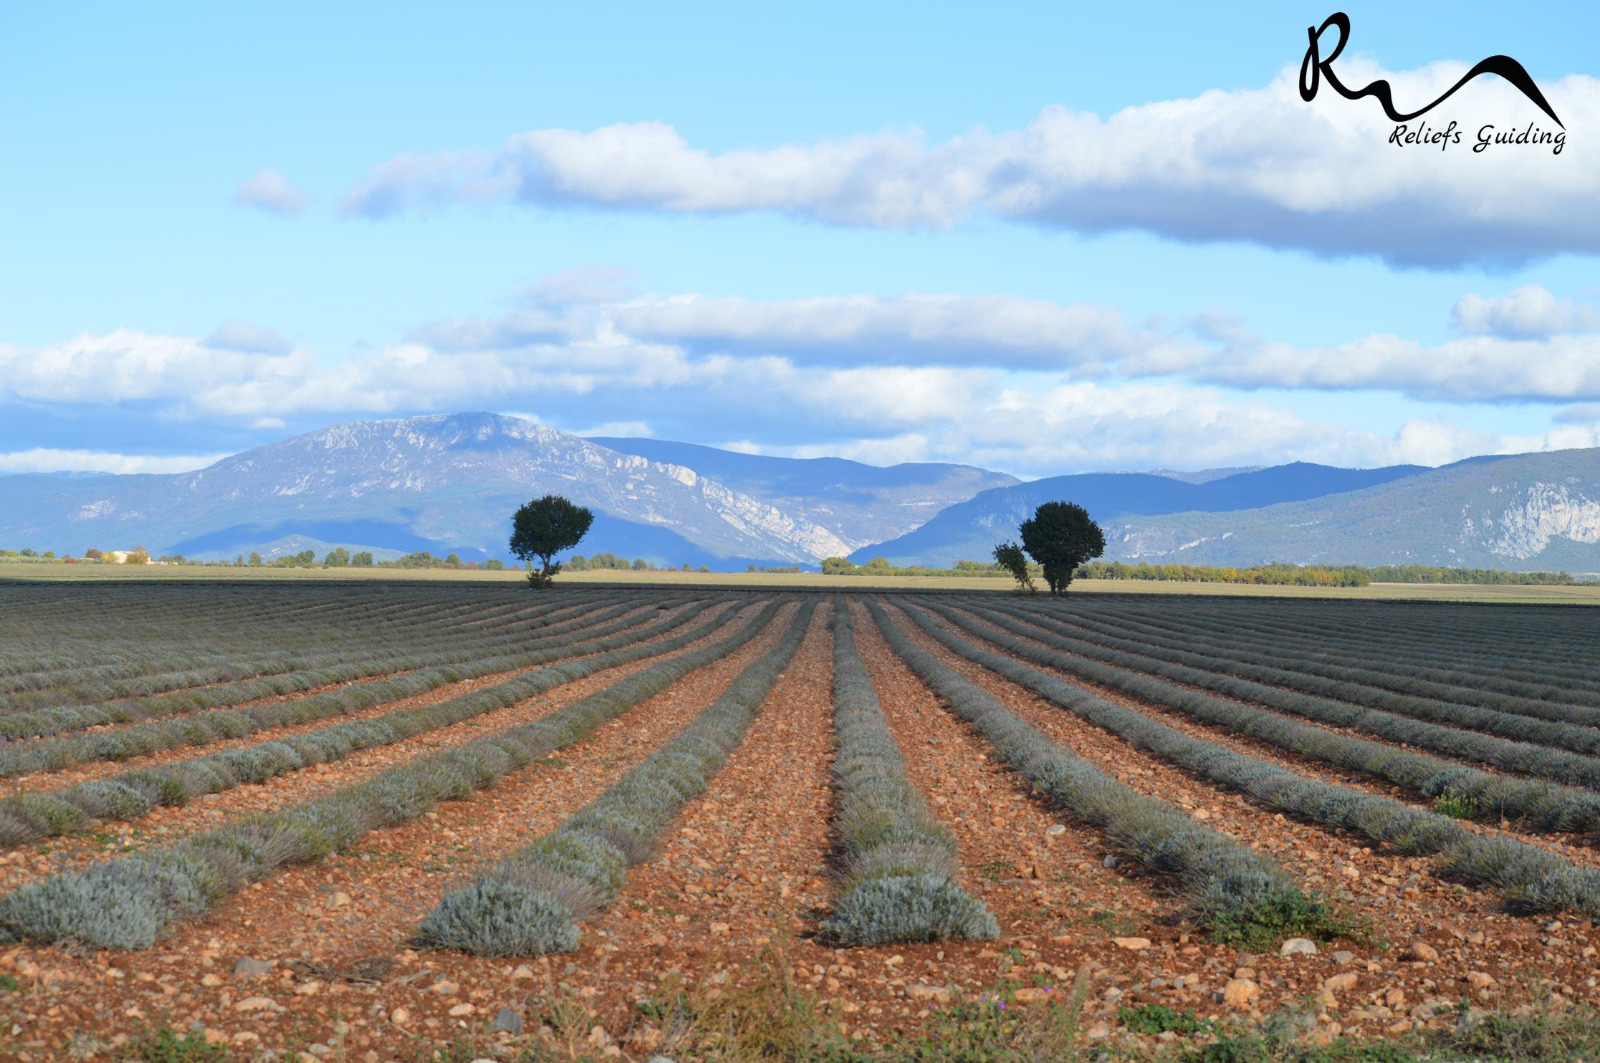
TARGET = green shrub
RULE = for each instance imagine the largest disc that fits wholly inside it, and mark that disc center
(110, 799)
(581, 855)
(97, 910)
(1159, 1018)
(1535, 1034)
(496, 917)
(159, 786)
(56, 815)
(1279, 915)
(917, 909)
(1456, 805)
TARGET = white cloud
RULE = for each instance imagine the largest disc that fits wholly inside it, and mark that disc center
(892, 450)
(414, 182)
(1030, 387)
(187, 377)
(917, 329)
(236, 335)
(1256, 164)
(42, 459)
(1090, 341)
(1473, 368)
(983, 330)
(1528, 312)
(131, 366)
(1087, 425)
(1423, 442)
(520, 328)
(963, 411)
(1588, 414)
(896, 359)
(270, 191)
(886, 180)
(616, 430)
(1072, 427)
(584, 284)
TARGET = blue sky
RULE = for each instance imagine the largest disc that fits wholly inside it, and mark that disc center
(915, 232)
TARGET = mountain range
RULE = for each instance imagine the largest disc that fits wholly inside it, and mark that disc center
(448, 484)
(1519, 512)
(970, 529)
(862, 504)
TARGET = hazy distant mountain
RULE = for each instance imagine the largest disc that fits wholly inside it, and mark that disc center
(1519, 512)
(969, 530)
(441, 483)
(859, 503)
(1200, 476)
(450, 483)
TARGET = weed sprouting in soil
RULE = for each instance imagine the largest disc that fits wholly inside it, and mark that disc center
(991, 1027)
(168, 1046)
(1253, 1048)
(1159, 1019)
(1279, 916)
(1456, 805)
(1537, 1034)
(1112, 923)
(771, 1017)
(1542, 1034)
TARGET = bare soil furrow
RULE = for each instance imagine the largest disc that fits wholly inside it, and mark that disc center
(745, 861)
(91, 770)
(165, 823)
(1570, 846)
(730, 903)
(1400, 897)
(641, 617)
(1010, 859)
(357, 910)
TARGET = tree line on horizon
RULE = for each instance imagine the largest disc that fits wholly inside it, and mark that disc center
(1059, 543)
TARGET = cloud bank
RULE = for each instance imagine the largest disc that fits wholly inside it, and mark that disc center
(46, 460)
(1527, 313)
(1256, 165)
(1024, 385)
(1527, 345)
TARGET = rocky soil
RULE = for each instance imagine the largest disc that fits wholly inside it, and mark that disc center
(319, 959)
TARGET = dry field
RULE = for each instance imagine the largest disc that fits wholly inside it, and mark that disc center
(1587, 593)
(431, 820)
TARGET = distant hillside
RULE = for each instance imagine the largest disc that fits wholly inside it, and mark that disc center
(449, 483)
(970, 530)
(859, 503)
(1520, 512)
(446, 484)
(1199, 476)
